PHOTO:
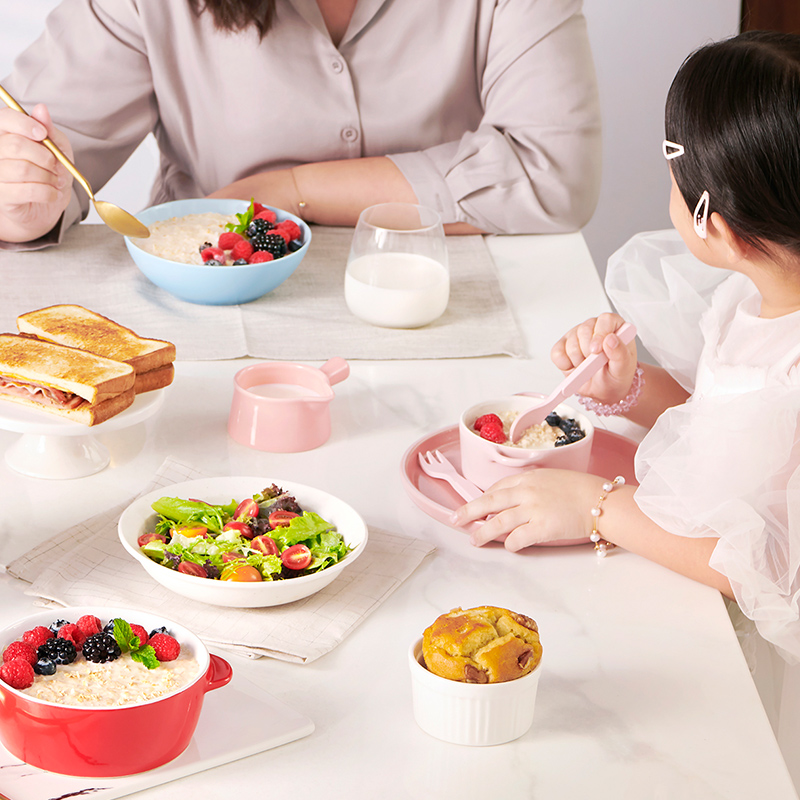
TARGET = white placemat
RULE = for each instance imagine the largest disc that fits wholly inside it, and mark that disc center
(304, 319)
(87, 565)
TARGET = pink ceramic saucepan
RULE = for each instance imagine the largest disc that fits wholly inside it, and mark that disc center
(485, 462)
(282, 407)
(107, 741)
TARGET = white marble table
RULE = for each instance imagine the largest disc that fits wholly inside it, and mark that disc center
(644, 692)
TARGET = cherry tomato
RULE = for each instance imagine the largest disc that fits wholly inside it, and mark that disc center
(150, 537)
(240, 572)
(298, 556)
(192, 531)
(190, 568)
(281, 518)
(232, 555)
(266, 545)
(247, 509)
(242, 528)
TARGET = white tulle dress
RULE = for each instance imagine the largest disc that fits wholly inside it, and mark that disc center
(727, 462)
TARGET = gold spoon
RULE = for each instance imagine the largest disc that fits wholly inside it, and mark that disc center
(118, 220)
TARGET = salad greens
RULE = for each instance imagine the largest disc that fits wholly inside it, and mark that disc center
(273, 535)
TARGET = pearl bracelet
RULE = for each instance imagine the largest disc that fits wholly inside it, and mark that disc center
(601, 545)
(624, 405)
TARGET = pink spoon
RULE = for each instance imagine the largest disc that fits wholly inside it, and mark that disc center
(582, 373)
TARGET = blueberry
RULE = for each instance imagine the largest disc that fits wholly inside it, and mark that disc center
(239, 262)
(58, 624)
(162, 629)
(213, 262)
(553, 420)
(45, 666)
(295, 244)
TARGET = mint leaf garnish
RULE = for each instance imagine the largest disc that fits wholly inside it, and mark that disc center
(129, 643)
(245, 218)
(147, 656)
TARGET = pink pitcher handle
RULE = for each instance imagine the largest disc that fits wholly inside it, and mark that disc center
(337, 369)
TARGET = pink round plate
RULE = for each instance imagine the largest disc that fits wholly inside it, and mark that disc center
(612, 454)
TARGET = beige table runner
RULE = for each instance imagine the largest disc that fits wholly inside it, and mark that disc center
(87, 565)
(304, 319)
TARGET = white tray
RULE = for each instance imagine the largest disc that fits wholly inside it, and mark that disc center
(228, 709)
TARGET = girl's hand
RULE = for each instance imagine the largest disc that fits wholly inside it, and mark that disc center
(613, 382)
(540, 505)
(35, 187)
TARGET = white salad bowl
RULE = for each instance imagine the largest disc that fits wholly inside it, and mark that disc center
(139, 518)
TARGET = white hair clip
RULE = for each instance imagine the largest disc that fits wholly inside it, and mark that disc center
(671, 150)
(700, 217)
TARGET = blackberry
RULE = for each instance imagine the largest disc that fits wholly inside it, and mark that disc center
(45, 666)
(101, 647)
(60, 651)
(258, 227)
(271, 242)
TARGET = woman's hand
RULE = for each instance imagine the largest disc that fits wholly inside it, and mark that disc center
(35, 187)
(539, 505)
(613, 382)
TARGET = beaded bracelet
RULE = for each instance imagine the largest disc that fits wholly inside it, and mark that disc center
(624, 405)
(601, 545)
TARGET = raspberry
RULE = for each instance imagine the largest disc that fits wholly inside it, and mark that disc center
(288, 228)
(228, 239)
(139, 631)
(265, 213)
(20, 650)
(213, 254)
(493, 432)
(89, 625)
(257, 208)
(17, 673)
(37, 636)
(481, 421)
(282, 232)
(72, 633)
(242, 249)
(259, 256)
(167, 648)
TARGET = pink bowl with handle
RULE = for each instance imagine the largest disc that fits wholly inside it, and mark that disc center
(284, 407)
(484, 462)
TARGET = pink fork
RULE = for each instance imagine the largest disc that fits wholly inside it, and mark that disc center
(436, 465)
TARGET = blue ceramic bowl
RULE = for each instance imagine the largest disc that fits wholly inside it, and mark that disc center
(214, 286)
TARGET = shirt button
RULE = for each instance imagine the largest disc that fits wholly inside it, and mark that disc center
(349, 134)
(337, 66)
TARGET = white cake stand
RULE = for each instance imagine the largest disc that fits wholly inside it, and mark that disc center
(57, 449)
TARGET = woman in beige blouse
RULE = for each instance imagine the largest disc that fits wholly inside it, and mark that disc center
(483, 109)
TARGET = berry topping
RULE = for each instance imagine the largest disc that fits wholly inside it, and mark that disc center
(162, 629)
(89, 624)
(242, 249)
(73, 634)
(493, 432)
(20, 650)
(37, 636)
(57, 624)
(240, 262)
(17, 673)
(259, 227)
(139, 631)
(229, 239)
(213, 254)
(100, 648)
(167, 648)
(271, 242)
(289, 229)
(264, 213)
(61, 651)
(259, 256)
(481, 421)
(45, 666)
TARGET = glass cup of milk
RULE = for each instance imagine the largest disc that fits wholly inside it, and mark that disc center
(397, 273)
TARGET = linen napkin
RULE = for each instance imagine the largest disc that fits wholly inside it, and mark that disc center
(87, 565)
(304, 319)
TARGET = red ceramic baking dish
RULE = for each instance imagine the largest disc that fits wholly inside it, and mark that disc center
(106, 741)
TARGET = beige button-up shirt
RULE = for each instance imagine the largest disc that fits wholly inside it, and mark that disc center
(488, 107)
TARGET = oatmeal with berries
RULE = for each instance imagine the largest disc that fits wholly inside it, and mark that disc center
(116, 683)
(555, 431)
(179, 238)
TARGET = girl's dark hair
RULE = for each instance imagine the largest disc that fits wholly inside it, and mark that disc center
(238, 15)
(735, 107)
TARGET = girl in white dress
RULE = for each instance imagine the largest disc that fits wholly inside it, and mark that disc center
(717, 303)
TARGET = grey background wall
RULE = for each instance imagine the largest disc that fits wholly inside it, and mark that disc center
(638, 45)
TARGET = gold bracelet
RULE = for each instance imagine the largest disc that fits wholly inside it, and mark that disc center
(301, 204)
(601, 545)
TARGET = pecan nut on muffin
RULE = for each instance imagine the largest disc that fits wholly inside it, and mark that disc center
(481, 645)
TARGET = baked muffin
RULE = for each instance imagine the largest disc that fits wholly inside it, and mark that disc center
(481, 645)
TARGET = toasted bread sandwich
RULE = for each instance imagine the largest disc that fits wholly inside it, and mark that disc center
(71, 383)
(76, 326)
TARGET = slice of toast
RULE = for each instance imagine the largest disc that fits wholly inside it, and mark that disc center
(68, 369)
(76, 326)
(87, 413)
(154, 379)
